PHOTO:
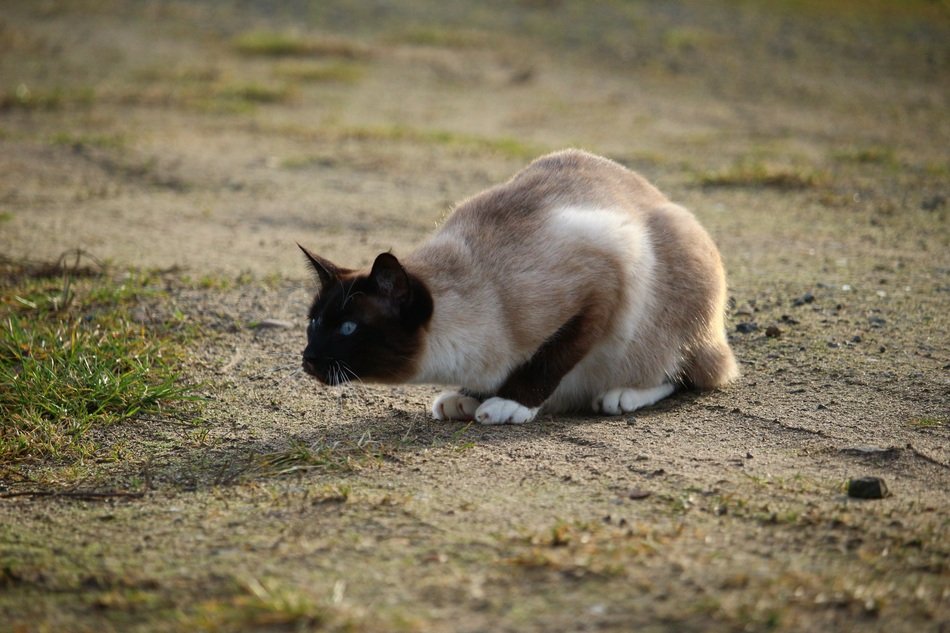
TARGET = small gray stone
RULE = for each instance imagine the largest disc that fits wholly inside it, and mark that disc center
(867, 488)
(746, 327)
(890, 452)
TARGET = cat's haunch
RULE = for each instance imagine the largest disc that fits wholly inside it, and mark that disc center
(576, 285)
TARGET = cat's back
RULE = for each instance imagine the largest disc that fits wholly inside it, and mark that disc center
(571, 178)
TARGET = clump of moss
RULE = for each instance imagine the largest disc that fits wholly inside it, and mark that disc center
(272, 44)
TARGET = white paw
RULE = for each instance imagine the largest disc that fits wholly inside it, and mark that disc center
(451, 405)
(625, 399)
(501, 411)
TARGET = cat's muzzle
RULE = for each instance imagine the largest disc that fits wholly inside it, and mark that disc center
(328, 372)
(310, 367)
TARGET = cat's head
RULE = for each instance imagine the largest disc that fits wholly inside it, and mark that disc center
(366, 325)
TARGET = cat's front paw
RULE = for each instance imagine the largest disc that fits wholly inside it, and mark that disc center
(501, 411)
(451, 405)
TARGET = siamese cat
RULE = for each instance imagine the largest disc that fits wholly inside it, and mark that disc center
(574, 286)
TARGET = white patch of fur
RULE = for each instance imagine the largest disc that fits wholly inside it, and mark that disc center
(456, 351)
(464, 346)
(625, 400)
(501, 411)
(451, 405)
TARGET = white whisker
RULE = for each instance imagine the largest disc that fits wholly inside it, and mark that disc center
(351, 375)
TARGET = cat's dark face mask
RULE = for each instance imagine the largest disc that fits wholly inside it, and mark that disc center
(365, 326)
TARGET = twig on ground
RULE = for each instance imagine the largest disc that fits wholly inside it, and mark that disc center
(88, 495)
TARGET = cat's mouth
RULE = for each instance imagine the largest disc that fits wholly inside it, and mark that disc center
(331, 373)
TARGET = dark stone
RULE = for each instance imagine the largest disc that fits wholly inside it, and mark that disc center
(867, 488)
(802, 300)
(773, 331)
(933, 203)
(876, 321)
(747, 327)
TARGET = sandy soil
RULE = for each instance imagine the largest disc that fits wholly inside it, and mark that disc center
(812, 142)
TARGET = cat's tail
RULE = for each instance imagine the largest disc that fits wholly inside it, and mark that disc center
(711, 365)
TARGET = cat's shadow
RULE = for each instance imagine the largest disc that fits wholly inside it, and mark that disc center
(402, 431)
(392, 437)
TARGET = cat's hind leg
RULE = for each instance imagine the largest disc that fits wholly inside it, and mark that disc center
(626, 399)
(452, 405)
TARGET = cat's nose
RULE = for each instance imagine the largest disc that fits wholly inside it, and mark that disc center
(310, 365)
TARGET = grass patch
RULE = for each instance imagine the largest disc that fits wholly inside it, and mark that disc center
(334, 457)
(72, 359)
(332, 72)
(441, 38)
(870, 155)
(236, 98)
(754, 174)
(210, 282)
(255, 93)
(23, 97)
(690, 40)
(928, 423)
(272, 44)
(504, 147)
(270, 604)
(102, 141)
(590, 548)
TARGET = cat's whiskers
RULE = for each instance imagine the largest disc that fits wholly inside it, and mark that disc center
(349, 373)
(336, 375)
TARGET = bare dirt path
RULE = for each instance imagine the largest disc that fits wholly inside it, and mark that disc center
(204, 139)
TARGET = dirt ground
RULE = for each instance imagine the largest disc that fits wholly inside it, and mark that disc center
(810, 138)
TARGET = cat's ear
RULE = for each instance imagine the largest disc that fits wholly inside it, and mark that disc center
(327, 271)
(390, 277)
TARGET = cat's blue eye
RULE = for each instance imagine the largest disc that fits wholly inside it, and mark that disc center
(347, 328)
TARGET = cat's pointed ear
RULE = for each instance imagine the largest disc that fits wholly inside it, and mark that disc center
(327, 271)
(390, 277)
